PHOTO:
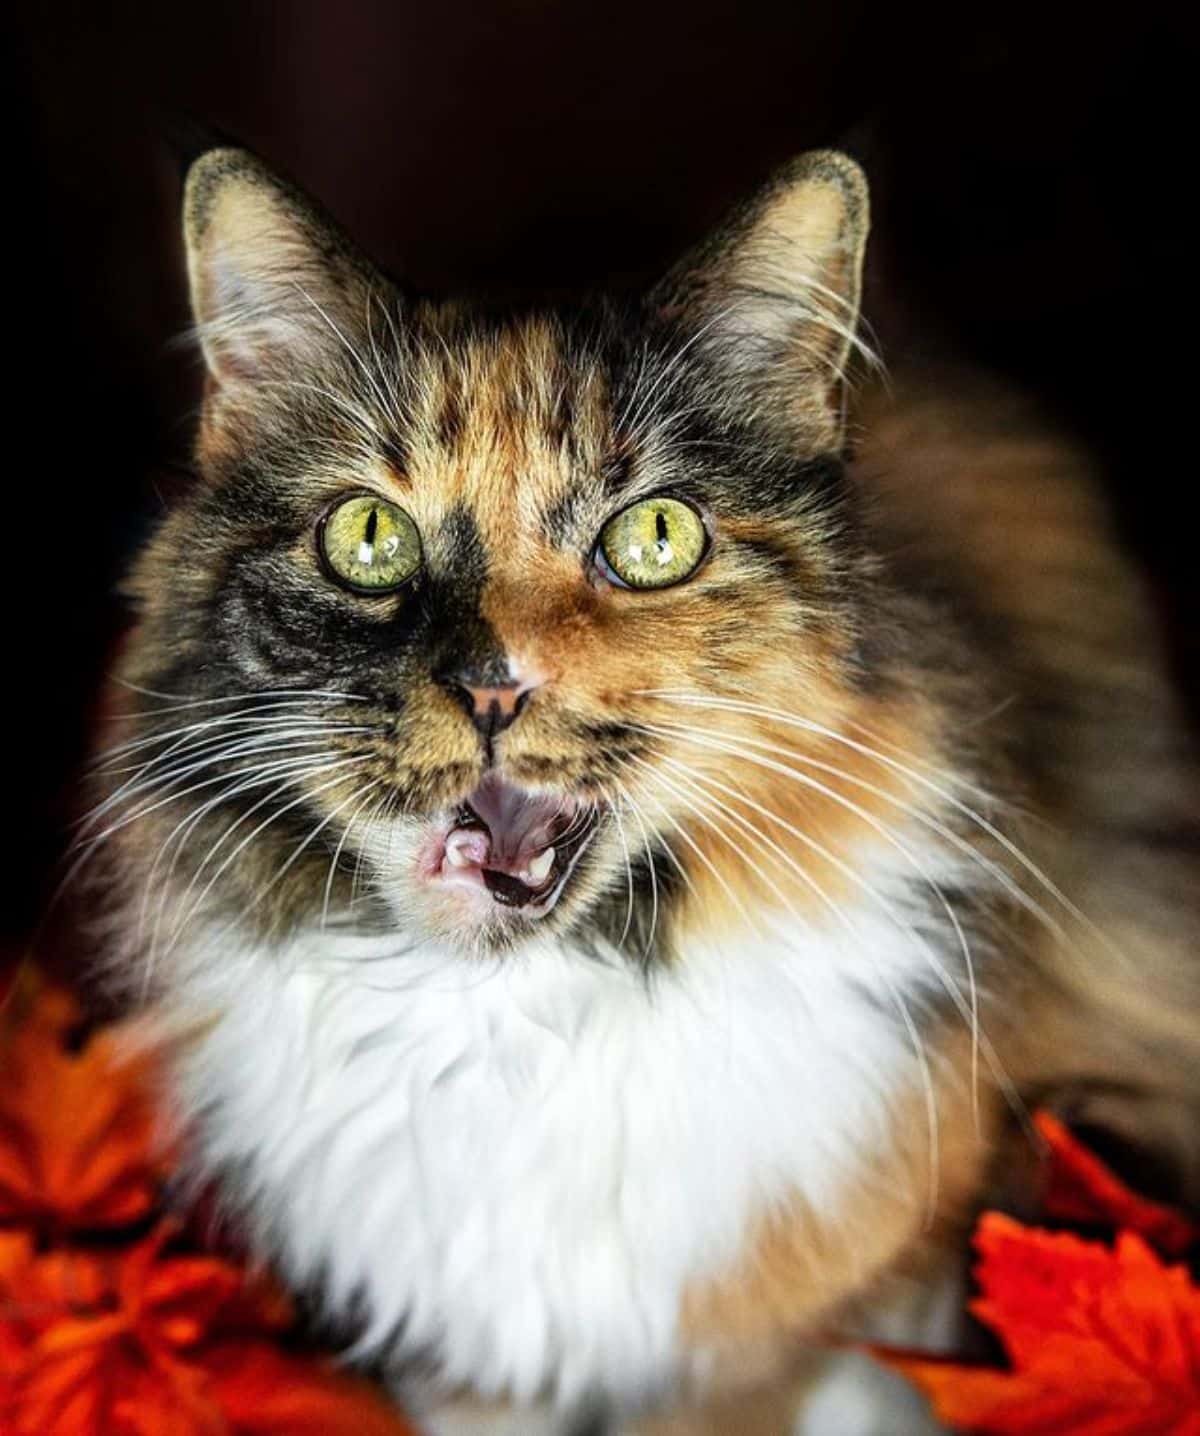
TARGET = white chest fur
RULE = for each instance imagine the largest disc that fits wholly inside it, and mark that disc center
(523, 1165)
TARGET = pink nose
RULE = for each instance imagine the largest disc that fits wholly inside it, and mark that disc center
(493, 709)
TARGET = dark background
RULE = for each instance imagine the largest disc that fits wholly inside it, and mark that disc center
(1032, 169)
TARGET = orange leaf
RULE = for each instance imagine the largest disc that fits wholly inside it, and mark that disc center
(1102, 1342)
(143, 1343)
(37, 1291)
(1082, 1190)
(266, 1392)
(78, 1131)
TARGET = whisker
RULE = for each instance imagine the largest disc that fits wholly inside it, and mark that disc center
(190, 701)
(300, 849)
(703, 857)
(162, 780)
(360, 363)
(158, 771)
(232, 857)
(181, 831)
(654, 901)
(920, 815)
(888, 834)
(1039, 876)
(614, 809)
(275, 715)
(283, 764)
(384, 813)
(897, 997)
(181, 834)
(337, 855)
(968, 1010)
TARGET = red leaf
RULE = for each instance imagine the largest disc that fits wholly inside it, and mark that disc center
(143, 1343)
(139, 1340)
(1081, 1190)
(265, 1392)
(1102, 1342)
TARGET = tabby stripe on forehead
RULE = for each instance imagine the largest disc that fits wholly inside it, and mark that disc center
(449, 423)
(463, 550)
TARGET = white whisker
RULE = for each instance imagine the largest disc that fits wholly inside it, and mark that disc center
(230, 858)
(614, 809)
(897, 997)
(969, 1010)
(654, 904)
(337, 854)
(1039, 876)
(148, 777)
(178, 701)
(889, 836)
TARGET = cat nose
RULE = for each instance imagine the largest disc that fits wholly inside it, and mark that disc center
(491, 707)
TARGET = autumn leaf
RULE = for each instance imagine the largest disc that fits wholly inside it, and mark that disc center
(264, 1391)
(80, 1141)
(1081, 1190)
(141, 1342)
(1101, 1341)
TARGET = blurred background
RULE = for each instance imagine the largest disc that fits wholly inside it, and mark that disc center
(1031, 167)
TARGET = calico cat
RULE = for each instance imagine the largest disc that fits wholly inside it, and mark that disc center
(616, 820)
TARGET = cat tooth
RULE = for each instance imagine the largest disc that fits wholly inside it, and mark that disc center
(538, 869)
(466, 847)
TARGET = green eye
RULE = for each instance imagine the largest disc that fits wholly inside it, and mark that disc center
(652, 544)
(370, 545)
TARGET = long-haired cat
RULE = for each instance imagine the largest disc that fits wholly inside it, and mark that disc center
(616, 821)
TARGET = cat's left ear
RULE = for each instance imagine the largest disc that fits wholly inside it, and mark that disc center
(773, 296)
(275, 285)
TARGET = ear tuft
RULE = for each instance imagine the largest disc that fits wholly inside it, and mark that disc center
(776, 294)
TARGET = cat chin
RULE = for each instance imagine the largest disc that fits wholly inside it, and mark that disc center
(468, 919)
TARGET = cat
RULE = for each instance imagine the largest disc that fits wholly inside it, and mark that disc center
(619, 809)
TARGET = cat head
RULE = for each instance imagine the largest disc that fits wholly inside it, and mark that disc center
(452, 587)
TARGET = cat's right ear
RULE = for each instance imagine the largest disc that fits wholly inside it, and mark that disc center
(275, 286)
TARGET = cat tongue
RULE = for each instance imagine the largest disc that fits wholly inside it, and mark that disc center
(506, 831)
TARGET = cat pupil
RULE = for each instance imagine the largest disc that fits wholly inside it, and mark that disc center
(366, 547)
(660, 527)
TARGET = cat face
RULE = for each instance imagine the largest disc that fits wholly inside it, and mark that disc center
(446, 577)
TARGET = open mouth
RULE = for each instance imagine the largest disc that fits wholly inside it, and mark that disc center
(518, 846)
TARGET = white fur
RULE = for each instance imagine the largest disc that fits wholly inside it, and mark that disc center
(525, 1162)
